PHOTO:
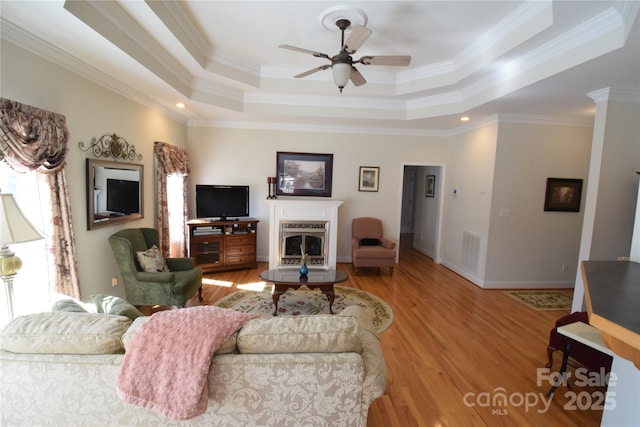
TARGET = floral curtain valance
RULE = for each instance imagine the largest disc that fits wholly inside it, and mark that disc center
(31, 137)
(172, 159)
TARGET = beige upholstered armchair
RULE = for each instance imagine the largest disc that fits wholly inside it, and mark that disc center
(368, 247)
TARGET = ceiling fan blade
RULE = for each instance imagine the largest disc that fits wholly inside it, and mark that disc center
(310, 52)
(358, 36)
(400, 60)
(315, 70)
(356, 78)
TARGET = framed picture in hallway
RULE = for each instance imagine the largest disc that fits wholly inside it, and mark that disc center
(369, 178)
(430, 186)
(563, 195)
(304, 174)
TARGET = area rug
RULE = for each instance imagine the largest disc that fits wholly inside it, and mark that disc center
(305, 302)
(543, 300)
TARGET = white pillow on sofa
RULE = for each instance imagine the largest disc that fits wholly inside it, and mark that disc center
(65, 332)
(300, 334)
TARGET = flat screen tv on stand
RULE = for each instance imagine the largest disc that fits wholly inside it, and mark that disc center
(222, 202)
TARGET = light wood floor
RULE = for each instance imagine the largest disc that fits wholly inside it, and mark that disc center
(451, 339)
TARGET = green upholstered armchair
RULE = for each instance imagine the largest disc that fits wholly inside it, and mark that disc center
(175, 287)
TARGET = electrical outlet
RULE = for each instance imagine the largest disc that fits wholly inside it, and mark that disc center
(114, 281)
(565, 266)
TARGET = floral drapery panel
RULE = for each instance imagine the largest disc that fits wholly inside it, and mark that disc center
(37, 140)
(171, 160)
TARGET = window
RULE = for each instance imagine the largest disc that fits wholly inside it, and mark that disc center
(31, 284)
(175, 206)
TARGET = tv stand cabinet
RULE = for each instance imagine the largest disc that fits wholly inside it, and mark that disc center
(223, 245)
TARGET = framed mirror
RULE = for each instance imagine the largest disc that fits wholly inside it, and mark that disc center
(114, 192)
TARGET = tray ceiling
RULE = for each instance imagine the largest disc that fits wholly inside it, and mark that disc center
(535, 59)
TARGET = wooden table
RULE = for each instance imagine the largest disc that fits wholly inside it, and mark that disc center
(286, 278)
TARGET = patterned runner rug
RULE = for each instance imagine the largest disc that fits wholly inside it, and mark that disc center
(304, 301)
(543, 300)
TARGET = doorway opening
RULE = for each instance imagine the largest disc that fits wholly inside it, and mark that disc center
(421, 211)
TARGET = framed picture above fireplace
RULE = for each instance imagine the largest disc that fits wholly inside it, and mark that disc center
(304, 174)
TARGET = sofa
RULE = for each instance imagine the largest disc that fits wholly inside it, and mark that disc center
(61, 368)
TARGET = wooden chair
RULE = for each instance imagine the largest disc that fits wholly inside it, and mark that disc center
(368, 246)
(586, 356)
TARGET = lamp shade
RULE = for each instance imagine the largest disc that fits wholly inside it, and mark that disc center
(14, 227)
(341, 74)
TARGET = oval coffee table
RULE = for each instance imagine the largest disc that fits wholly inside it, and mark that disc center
(287, 278)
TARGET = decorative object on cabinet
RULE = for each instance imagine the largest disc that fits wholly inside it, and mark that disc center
(114, 192)
(563, 195)
(430, 186)
(223, 245)
(304, 174)
(271, 181)
(368, 178)
(111, 146)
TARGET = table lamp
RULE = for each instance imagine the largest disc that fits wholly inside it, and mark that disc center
(14, 228)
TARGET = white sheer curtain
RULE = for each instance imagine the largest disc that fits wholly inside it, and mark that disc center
(32, 284)
(175, 197)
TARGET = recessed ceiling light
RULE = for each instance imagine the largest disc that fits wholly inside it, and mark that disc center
(464, 118)
(180, 105)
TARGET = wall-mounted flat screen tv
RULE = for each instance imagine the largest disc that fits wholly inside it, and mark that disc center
(222, 201)
(123, 196)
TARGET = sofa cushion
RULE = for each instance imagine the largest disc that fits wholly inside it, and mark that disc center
(228, 347)
(300, 334)
(152, 260)
(65, 332)
(70, 305)
(117, 306)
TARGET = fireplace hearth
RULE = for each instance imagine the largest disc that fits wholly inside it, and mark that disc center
(308, 224)
(309, 237)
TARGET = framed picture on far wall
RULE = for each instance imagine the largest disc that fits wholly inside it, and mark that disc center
(563, 195)
(304, 174)
(369, 178)
(430, 186)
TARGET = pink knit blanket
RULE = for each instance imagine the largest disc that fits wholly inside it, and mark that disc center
(167, 363)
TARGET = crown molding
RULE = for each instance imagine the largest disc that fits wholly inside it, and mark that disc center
(175, 16)
(616, 95)
(48, 52)
(114, 23)
(545, 120)
(297, 127)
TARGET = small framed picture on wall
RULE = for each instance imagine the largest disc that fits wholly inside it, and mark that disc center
(563, 195)
(430, 186)
(369, 178)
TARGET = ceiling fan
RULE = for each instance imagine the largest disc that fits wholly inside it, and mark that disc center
(343, 64)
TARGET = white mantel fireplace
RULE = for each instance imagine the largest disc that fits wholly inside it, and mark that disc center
(310, 223)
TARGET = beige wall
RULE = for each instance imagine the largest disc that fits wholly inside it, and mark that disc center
(529, 247)
(467, 195)
(248, 157)
(91, 111)
(476, 162)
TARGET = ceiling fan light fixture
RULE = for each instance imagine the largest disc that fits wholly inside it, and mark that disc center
(341, 74)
